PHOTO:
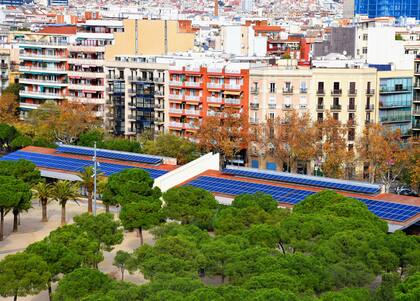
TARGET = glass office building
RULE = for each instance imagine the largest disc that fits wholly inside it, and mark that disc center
(388, 8)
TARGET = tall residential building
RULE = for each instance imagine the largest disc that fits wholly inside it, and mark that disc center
(58, 2)
(388, 8)
(136, 91)
(416, 98)
(395, 100)
(196, 91)
(4, 69)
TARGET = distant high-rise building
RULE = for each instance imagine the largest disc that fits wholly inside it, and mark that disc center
(388, 8)
(247, 5)
(58, 2)
(15, 2)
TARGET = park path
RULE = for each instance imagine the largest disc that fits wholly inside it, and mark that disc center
(32, 230)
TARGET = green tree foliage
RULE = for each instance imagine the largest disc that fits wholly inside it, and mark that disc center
(169, 145)
(190, 205)
(144, 213)
(120, 261)
(87, 182)
(14, 89)
(21, 169)
(101, 228)
(20, 141)
(42, 191)
(7, 134)
(80, 283)
(23, 274)
(261, 200)
(90, 137)
(63, 191)
(409, 289)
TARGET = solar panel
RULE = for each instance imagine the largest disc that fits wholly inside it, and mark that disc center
(329, 183)
(385, 210)
(117, 155)
(73, 165)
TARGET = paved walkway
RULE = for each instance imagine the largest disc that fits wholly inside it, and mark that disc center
(32, 230)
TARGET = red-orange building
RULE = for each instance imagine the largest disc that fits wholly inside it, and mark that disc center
(196, 92)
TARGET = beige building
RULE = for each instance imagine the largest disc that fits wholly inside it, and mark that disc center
(152, 37)
(349, 95)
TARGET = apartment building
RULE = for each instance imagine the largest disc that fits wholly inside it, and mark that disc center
(196, 91)
(136, 95)
(416, 98)
(4, 69)
(395, 90)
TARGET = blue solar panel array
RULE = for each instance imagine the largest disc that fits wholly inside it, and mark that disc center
(73, 165)
(109, 154)
(304, 180)
(385, 210)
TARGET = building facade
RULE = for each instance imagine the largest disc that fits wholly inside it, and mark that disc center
(4, 70)
(416, 99)
(388, 8)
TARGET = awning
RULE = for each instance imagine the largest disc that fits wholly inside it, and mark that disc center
(232, 92)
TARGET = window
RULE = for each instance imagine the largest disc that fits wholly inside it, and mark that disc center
(365, 37)
(364, 50)
(352, 105)
(336, 101)
(335, 116)
(320, 117)
(352, 87)
(271, 166)
(254, 164)
(271, 115)
(336, 86)
(272, 87)
(321, 86)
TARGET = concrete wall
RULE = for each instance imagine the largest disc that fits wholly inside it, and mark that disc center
(186, 172)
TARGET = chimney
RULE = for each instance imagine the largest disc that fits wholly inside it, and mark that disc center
(216, 8)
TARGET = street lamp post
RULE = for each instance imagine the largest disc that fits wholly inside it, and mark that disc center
(94, 178)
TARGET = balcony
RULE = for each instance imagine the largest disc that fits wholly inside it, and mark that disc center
(272, 106)
(370, 92)
(336, 92)
(320, 107)
(416, 112)
(28, 106)
(159, 93)
(253, 120)
(387, 90)
(233, 87)
(41, 95)
(159, 107)
(351, 108)
(232, 101)
(288, 90)
(352, 92)
(176, 96)
(175, 124)
(176, 83)
(41, 57)
(192, 98)
(320, 92)
(368, 121)
(175, 111)
(192, 84)
(4, 66)
(44, 82)
(287, 107)
(391, 119)
(86, 87)
(87, 100)
(351, 123)
(158, 80)
(98, 75)
(131, 117)
(335, 107)
(417, 98)
(254, 90)
(90, 62)
(416, 125)
(159, 119)
(214, 113)
(254, 106)
(303, 90)
(370, 107)
(213, 99)
(193, 112)
(217, 86)
(53, 70)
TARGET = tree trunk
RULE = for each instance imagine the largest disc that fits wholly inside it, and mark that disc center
(63, 214)
(106, 208)
(1, 223)
(15, 297)
(141, 236)
(44, 211)
(223, 278)
(122, 274)
(15, 220)
(49, 291)
(90, 210)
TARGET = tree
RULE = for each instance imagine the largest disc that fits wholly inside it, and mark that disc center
(13, 89)
(226, 134)
(144, 213)
(383, 151)
(8, 108)
(289, 139)
(101, 228)
(259, 199)
(90, 137)
(170, 145)
(24, 203)
(42, 191)
(333, 149)
(64, 122)
(409, 289)
(120, 261)
(60, 258)
(80, 283)
(20, 142)
(190, 205)
(63, 191)
(22, 274)
(21, 169)
(87, 177)
(129, 184)
(7, 134)
(12, 193)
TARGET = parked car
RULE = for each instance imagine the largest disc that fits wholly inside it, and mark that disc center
(406, 191)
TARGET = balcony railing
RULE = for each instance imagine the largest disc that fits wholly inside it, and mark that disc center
(254, 90)
(253, 120)
(192, 98)
(233, 86)
(288, 90)
(416, 112)
(320, 106)
(303, 90)
(320, 92)
(393, 90)
(336, 107)
(176, 96)
(193, 84)
(370, 107)
(214, 99)
(351, 107)
(44, 94)
(42, 81)
(176, 124)
(352, 92)
(175, 83)
(401, 118)
(254, 106)
(272, 106)
(46, 69)
(287, 107)
(232, 101)
(336, 92)
(215, 85)
(192, 112)
(351, 123)
(214, 113)
(370, 91)
(176, 111)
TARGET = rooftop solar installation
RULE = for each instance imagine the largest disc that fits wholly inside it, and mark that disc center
(329, 183)
(73, 165)
(109, 154)
(386, 210)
